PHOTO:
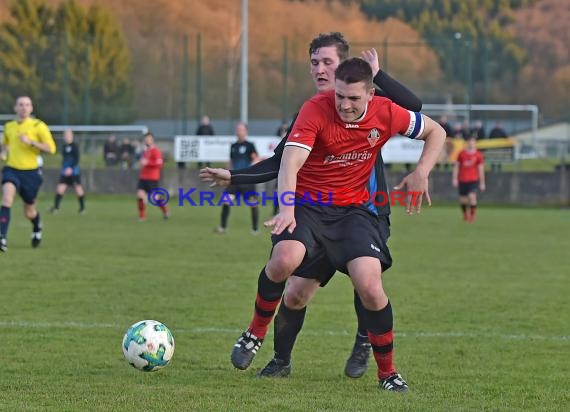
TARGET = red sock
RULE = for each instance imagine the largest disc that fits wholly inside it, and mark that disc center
(383, 350)
(473, 213)
(141, 208)
(164, 210)
(263, 315)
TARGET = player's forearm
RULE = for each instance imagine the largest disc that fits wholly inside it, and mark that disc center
(286, 184)
(434, 143)
(44, 147)
(291, 162)
(482, 174)
(397, 92)
(154, 162)
(455, 172)
(261, 172)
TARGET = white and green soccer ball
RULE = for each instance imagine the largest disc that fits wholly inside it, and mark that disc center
(148, 345)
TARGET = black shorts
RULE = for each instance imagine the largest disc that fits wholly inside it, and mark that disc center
(468, 187)
(71, 180)
(147, 185)
(320, 268)
(27, 182)
(244, 192)
(339, 233)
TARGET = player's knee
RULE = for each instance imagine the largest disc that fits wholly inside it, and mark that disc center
(295, 301)
(284, 260)
(281, 266)
(373, 299)
(30, 212)
(299, 292)
(296, 298)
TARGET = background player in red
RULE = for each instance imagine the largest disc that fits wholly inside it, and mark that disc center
(468, 175)
(151, 164)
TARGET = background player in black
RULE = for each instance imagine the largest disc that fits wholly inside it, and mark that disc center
(242, 154)
(290, 317)
(70, 174)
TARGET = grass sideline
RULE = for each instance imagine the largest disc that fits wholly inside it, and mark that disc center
(481, 313)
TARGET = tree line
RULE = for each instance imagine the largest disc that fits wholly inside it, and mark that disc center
(73, 61)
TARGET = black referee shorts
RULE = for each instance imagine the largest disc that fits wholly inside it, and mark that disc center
(27, 182)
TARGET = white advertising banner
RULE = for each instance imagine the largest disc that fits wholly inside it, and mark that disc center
(217, 148)
(402, 150)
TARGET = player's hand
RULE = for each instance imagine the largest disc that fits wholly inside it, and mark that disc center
(454, 183)
(143, 161)
(218, 176)
(68, 171)
(25, 139)
(371, 57)
(283, 220)
(482, 187)
(416, 185)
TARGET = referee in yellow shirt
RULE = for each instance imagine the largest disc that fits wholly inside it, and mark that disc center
(24, 139)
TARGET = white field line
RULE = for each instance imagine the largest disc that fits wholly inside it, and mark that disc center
(14, 324)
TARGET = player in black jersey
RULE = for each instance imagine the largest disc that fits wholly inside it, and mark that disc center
(70, 174)
(242, 154)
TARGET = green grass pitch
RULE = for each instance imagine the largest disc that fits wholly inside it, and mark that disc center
(482, 314)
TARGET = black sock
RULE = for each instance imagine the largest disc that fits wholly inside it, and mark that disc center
(254, 218)
(268, 297)
(81, 202)
(57, 201)
(362, 332)
(268, 289)
(225, 215)
(288, 324)
(4, 220)
(36, 222)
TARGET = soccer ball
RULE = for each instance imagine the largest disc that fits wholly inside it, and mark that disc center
(148, 345)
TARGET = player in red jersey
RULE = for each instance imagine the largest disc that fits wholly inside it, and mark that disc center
(151, 164)
(332, 148)
(468, 175)
(326, 52)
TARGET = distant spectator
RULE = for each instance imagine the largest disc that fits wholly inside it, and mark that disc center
(465, 129)
(457, 130)
(446, 126)
(204, 129)
(111, 151)
(282, 130)
(478, 130)
(139, 149)
(127, 154)
(497, 132)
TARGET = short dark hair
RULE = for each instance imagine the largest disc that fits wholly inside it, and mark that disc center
(354, 70)
(335, 39)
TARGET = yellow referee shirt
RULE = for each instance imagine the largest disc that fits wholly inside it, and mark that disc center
(22, 156)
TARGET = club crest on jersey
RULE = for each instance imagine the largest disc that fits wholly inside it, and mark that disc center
(373, 137)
